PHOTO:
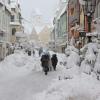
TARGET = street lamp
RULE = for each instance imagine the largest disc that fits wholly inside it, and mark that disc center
(82, 35)
(89, 9)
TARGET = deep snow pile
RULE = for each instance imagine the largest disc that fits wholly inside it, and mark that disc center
(69, 49)
(62, 59)
(19, 63)
(83, 87)
(72, 83)
(90, 56)
(73, 58)
(97, 64)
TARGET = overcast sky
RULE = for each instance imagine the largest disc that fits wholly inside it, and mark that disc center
(45, 7)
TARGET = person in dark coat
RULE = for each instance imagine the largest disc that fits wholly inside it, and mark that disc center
(33, 52)
(40, 51)
(54, 61)
(45, 62)
(29, 52)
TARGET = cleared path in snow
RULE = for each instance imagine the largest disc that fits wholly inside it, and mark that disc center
(24, 87)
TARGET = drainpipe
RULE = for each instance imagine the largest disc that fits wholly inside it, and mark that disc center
(67, 23)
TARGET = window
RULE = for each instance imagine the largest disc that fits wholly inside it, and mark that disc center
(13, 9)
(20, 18)
(72, 11)
(12, 18)
(13, 31)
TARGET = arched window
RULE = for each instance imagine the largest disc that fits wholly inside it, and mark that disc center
(13, 31)
(72, 11)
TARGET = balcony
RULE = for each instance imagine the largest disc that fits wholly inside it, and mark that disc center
(15, 23)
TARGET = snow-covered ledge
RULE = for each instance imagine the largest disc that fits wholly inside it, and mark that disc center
(96, 23)
(82, 2)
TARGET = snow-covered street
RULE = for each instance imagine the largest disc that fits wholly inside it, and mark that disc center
(23, 82)
(50, 50)
(22, 78)
(23, 87)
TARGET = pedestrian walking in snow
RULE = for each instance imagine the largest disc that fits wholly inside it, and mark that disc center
(33, 52)
(40, 51)
(45, 63)
(54, 61)
(29, 52)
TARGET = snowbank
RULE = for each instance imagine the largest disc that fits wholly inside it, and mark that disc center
(87, 64)
(78, 88)
(62, 59)
(97, 64)
(19, 63)
(69, 49)
(73, 60)
(72, 83)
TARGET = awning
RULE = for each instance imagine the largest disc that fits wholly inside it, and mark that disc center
(96, 19)
(82, 2)
(63, 44)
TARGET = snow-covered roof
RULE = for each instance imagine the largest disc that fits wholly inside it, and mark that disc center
(82, 2)
(5, 5)
(96, 19)
(13, 5)
(61, 8)
(62, 12)
(8, 8)
(92, 34)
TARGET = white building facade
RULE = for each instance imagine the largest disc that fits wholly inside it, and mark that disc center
(16, 21)
(97, 9)
(5, 14)
(60, 27)
(10, 23)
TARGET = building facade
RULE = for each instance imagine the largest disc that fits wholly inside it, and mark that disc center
(52, 39)
(44, 36)
(5, 14)
(97, 9)
(34, 36)
(10, 23)
(16, 21)
(73, 18)
(60, 27)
